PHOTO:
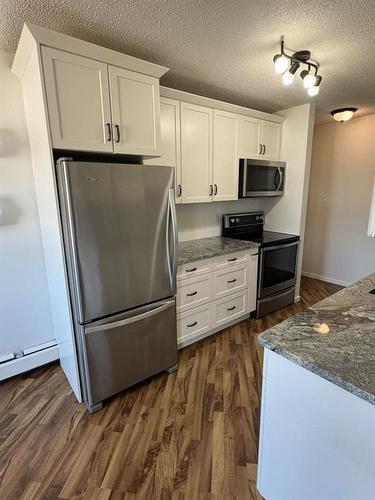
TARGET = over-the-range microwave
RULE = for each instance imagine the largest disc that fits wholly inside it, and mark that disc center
(261, 178)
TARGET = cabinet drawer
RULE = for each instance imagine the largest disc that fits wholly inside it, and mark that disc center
(194, 292)
(229, 308)
(194, 268)
(230, 259)
(228, 281)
(194, 322)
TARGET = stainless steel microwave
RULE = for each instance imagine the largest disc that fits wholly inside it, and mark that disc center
(261, 178)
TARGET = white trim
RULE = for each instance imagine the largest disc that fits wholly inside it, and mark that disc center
(32, 33)
(26, 363)
(297, 298)
(192, 340)
(327, 279)
(199, 100)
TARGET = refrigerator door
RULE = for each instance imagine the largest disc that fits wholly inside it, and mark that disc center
(120, 235)
(128, 348)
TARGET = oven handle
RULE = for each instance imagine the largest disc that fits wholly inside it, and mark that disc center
(277, 247)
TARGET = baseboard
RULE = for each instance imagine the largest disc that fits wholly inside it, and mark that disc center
(326, 279)
(297, 298)
(29, 362)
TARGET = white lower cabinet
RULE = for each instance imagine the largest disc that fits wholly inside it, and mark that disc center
(194, 323)
(214, 293)
(194, 292)
(229, 308)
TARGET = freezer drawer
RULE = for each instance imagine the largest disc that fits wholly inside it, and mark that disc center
(128, 348)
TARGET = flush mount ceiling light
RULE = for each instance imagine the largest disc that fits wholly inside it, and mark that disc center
(343, 114)
(287, 65)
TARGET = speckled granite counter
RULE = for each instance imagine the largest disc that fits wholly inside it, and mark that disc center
(204, 248)
(335, 339)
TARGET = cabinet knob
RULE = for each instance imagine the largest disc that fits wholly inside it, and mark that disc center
(210, 192)
(260, 148)
(215, 189)
(179, 190)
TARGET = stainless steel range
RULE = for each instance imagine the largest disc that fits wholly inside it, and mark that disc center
(278, 254)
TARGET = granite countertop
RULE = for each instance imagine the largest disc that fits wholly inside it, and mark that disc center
(335, 339)
(204, 248)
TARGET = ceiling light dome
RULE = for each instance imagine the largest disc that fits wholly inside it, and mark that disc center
(281, 63)
(343, 114)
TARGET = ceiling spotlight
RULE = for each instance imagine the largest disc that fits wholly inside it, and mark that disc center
(314, 90)
(309, 80)
(288, 76)
(343, 114)
(281, 63)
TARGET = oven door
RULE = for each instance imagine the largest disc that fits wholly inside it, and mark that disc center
(277, 268)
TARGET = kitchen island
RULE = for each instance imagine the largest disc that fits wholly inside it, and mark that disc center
(317, 438)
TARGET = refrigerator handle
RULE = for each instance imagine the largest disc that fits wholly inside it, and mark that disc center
(172, 225)
(132, 319)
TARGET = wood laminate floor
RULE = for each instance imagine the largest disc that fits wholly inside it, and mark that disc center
(189, 435)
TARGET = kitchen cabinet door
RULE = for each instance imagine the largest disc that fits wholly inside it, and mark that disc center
(135, 105)
(170, 149)
(250, 129)
(196, 153)
(271, 139)
(225, 156)
(78, 101)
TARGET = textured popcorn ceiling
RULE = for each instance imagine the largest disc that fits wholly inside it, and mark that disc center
(223, 49)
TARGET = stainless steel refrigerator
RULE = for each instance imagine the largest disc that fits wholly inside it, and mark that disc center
(120, 239)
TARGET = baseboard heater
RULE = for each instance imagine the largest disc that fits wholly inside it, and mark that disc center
(14, 363)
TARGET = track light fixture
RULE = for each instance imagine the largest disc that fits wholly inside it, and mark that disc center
(287, 65)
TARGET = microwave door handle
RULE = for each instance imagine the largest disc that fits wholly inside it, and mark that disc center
(277, 179)
(281, 178)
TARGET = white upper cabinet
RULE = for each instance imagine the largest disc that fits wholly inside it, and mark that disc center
(196, 153)
(135, 104)
(78, 101)
(271, 140)
(170, 141)
(225, 156)
(259, 139)
(250, 129)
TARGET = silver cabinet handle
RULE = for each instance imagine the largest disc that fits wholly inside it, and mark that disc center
(260, 148)
(232, 281)
(264, 149)
(191, 294)
(232, 259)
(210, 190)
(109, 132)
(190, 270)
(231, 308)
(215, 189)
(117, 129)
(179, 190)
(192, 324)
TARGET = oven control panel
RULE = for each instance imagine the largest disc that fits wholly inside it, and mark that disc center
(243, 219)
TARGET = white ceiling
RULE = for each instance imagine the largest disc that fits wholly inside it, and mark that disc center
(223, 49)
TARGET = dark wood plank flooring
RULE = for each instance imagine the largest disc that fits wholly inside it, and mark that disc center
(189, 435)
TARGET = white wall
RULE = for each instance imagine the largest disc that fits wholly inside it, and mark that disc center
(337, 247)
(288, 214)
(200, 220)
(25, 316)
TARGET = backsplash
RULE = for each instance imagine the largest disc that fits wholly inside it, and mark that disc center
(200, 220)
